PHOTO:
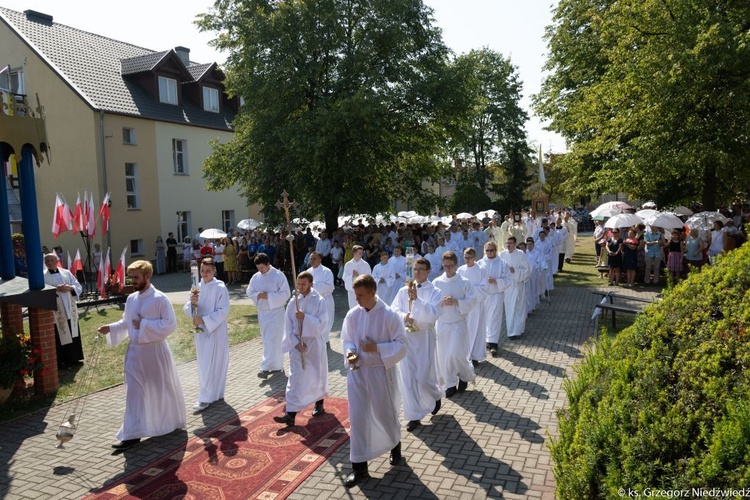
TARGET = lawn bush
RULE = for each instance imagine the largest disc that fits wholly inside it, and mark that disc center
(666, 403)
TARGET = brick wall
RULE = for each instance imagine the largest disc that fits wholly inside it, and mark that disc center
(12, 318)
(42, 328)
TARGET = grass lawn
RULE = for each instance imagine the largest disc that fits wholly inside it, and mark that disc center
(75, 382)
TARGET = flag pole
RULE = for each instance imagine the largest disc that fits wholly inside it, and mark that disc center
(286, 205)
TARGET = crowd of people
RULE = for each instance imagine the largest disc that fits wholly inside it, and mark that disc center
(649, 254)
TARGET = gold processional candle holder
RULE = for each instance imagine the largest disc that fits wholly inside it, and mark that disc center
(195, 289)
(411, 284)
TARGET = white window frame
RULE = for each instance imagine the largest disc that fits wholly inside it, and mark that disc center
(128, 136)
(133, 194)
(183, 226)
(211, 99)
(227, 220)
(168, 90)
(136, 247)
(180, 154)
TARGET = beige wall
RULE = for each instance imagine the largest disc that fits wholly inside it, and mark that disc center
(188, 193)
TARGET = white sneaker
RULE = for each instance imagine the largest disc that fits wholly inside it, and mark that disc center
(200, 406)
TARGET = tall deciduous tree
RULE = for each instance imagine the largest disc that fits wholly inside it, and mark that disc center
(340, 102)
(492, 117)
(652, 94)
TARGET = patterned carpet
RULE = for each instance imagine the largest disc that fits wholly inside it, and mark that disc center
(249, 456)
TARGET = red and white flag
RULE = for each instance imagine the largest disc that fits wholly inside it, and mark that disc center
(104, 212)
(77, 264)
(61, 220)
(90, 217)
(79, 219)
(105, 270)
(120, 269)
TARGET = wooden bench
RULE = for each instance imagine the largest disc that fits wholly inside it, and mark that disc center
(605, 307)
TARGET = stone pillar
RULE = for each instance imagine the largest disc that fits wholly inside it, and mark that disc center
(12, 318)
(42, 328)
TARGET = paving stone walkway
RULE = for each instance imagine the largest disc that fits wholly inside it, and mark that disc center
(490, 441)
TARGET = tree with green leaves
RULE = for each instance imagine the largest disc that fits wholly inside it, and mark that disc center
(491, 120)
(652, 96)
(344, 103)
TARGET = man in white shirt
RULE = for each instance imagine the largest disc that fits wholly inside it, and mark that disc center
(323, 247)
(515, 294)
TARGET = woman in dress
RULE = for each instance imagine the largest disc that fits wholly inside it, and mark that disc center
(694, 246)
(614, 251)
(675, 248)
(161, 256)
(630, 257)
(242, 257)
(231, 268)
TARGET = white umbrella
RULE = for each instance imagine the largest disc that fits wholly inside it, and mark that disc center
(623, 220)
(464, 215)
(704, 221)
(649, 205)
(665, 221)
(680, 210)
(647, 214)
(486, 214)
(407, 214)
(418, 219)
(248, 224)
(609, 209)
(213, 234)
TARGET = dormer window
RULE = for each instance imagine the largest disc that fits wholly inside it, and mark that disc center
(211, 99)
(167, 90)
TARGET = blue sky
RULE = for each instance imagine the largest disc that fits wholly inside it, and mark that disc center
(512, 27)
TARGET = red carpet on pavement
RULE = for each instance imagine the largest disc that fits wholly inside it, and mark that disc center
(249, 456)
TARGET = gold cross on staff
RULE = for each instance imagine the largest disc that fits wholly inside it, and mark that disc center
(286, 205)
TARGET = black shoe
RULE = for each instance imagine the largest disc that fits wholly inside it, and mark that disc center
(438, 405)
(286, 418)
(127, 443)
(273, 372)
(319, 410)
(450, 392)
(263, 374)
(462, 386)
(493, 350)
(395, 457)
(474, 363)
(413, 424)
(356, 477)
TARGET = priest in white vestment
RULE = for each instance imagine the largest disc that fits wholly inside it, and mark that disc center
(453, 337)
(374, 341)
(309, 384)
(570, 243)
(154, 403)
(212, 342)
(269, 290)
(498, 279)
(515, 294)
(353, 268)
(324, 286)
(68, 343)
(549, 255)
(475, 320)
(420, 377)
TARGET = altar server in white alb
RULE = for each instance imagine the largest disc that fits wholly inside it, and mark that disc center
(154, 404)
(515, 295)
(453, 336)
(67, 338)
(309, 384)
(374, 341)
(212, 343)
(269, 290)
(498, 279)
(324, 285)
(385, 277)
(475, 319)
(419, 371)
(355, 267)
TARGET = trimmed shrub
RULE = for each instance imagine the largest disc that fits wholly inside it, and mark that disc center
(666, 403)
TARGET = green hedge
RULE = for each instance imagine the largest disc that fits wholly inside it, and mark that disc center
(666, 403)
